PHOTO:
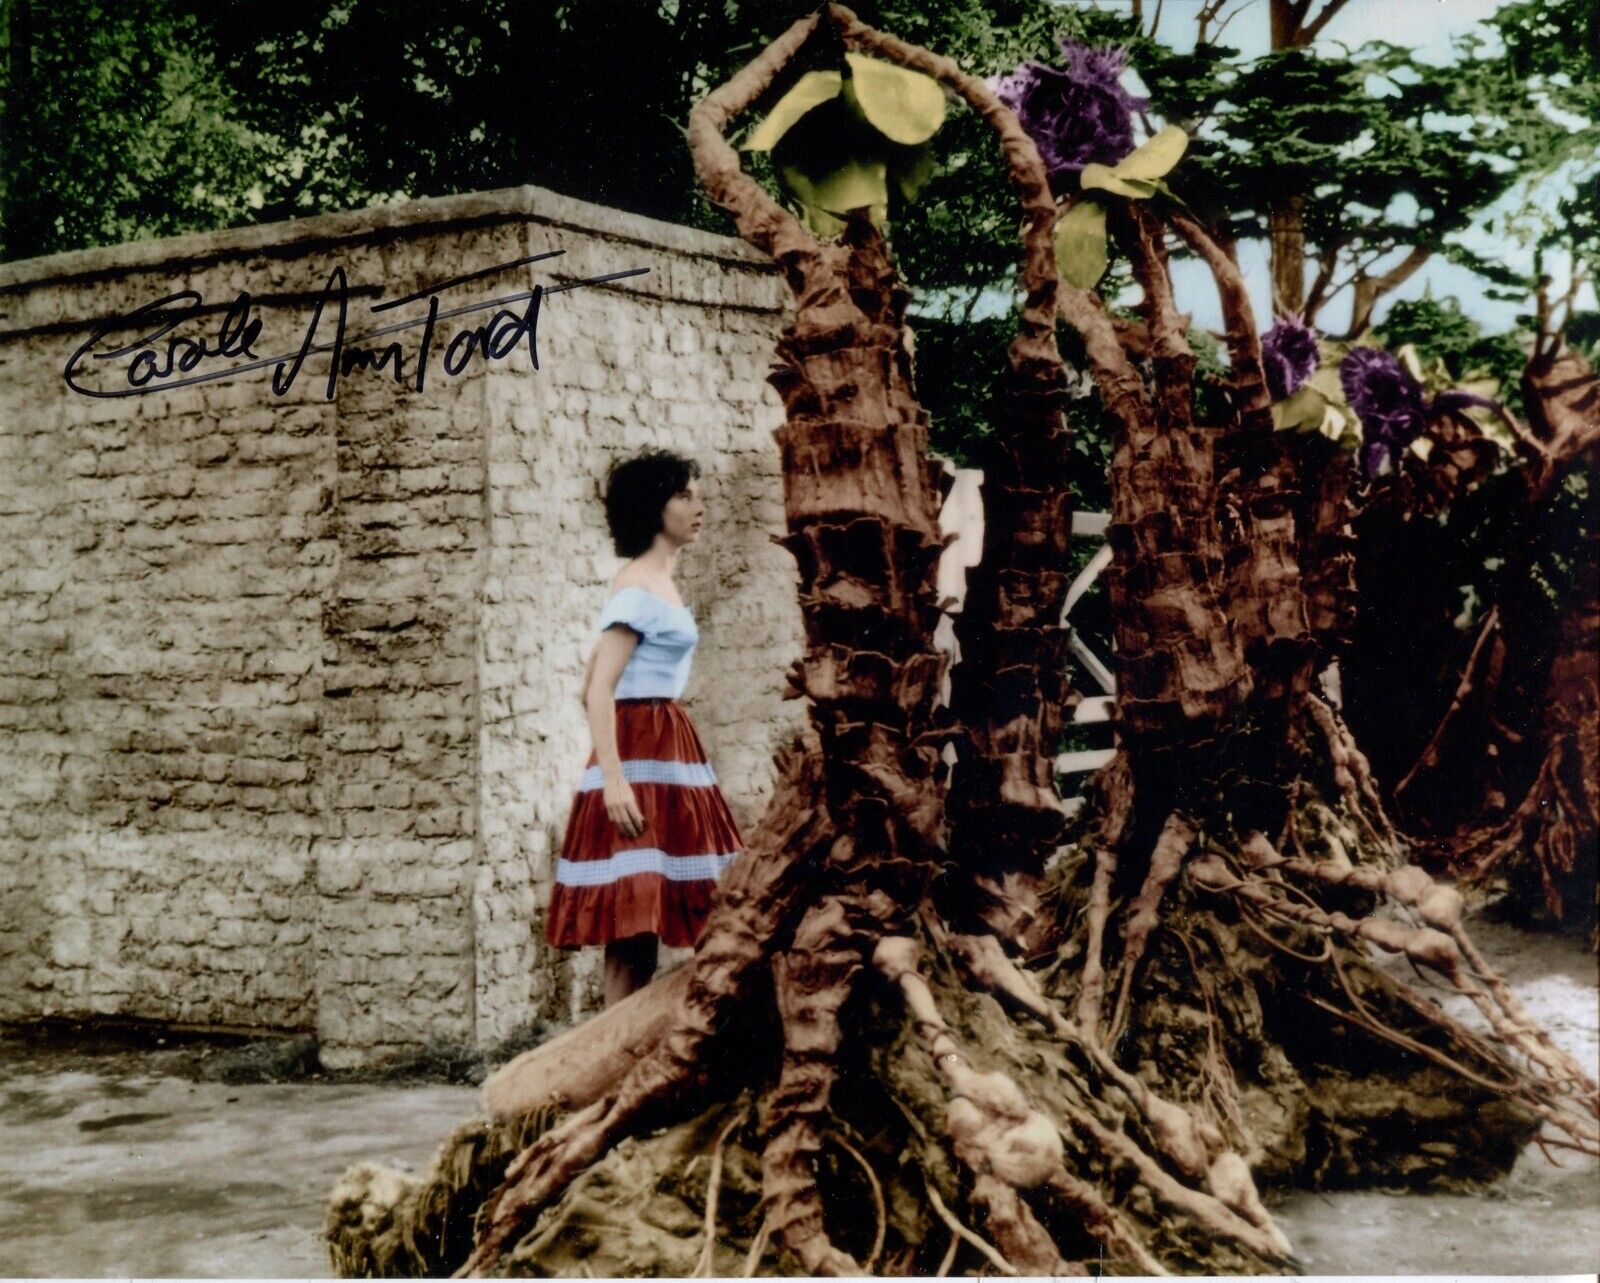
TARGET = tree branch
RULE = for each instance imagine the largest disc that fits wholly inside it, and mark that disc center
(1252, 401)
(1311, 32)
(1327, 262)
(760, 219)
(1570, 299)
(1212, 11)
(1023, 166)
(1542, 334)
(1223, 25)
(1369, 289)
(1143, 237)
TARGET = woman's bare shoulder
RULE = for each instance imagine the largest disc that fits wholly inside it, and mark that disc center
(632, 575)
(635, 575)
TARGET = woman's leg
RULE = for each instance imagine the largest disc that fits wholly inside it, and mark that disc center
(630, 962)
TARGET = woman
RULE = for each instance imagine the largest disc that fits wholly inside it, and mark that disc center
(649, 832)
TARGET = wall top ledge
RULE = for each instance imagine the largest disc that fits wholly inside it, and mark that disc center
(379, 223)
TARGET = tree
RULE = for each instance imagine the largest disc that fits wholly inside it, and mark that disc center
(1199, 986)
(1552, 48)
(1343, 161)
(370, 100)
(1501, 790)
(116, 127)
(1295, 26)
(1508, 784)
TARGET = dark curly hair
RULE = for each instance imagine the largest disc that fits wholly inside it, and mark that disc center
(637, 489)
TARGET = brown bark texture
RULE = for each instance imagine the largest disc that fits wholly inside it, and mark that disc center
(1009, 693)
(1520, 740)
(1286, 236)
(853, 1076)
(1181, 671)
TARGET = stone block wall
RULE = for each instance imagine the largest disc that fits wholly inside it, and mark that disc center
(288, 685)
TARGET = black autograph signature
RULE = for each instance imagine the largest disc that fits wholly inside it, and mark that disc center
(150, 365)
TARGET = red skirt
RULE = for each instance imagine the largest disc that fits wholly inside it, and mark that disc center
(661, 882)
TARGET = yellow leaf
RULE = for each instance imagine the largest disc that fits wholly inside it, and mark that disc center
(853, 185)
(824, 226)
(1155, 156)
(1325, 379)
(903, 105)
(1104, 178)
(1081, 255)
(811, 90)
(1413, 363)
(1304, 409)
(1337, 426)
(911, 175)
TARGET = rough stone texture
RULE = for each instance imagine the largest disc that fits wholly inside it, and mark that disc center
(288, 686)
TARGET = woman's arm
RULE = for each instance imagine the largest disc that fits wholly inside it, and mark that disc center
(611, 656)
(588, 675)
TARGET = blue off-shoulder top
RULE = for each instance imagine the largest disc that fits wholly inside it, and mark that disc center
(659, 665)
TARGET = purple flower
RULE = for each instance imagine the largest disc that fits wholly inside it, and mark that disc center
(1289, 353)
(1077, 114)
(1387, 400)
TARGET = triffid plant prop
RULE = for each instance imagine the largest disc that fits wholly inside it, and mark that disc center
(1233, 769)
(1522, 730)
(850, 1075)
(1506, 790)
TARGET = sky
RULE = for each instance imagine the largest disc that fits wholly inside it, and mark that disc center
(1427, 26)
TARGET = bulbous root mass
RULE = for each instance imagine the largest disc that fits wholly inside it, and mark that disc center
(1204, 1022)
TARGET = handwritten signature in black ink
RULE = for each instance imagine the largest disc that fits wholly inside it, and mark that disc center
(149, 365)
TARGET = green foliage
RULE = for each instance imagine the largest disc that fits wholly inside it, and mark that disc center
(116, 127)
(1547, 53)
(1211, 378)
(1483, 529)
(1382, 150)
(954, 364)
(1441, 331)
(192, 114)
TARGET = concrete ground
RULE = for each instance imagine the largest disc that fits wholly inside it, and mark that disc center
(111, 1169)
(121, 1163)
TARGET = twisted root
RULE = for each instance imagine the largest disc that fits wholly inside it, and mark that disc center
(713, 1187)
(1552, 1085)
(1352, 773)
(811, 982)
(1165, 863)
(993, 1130)
(879, 1208)
(1195, 1145)
(960, 1233)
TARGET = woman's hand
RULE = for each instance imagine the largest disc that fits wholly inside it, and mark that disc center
(611, 655)
(623, 808)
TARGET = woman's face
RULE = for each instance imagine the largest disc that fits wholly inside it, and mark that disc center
(684, 516)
